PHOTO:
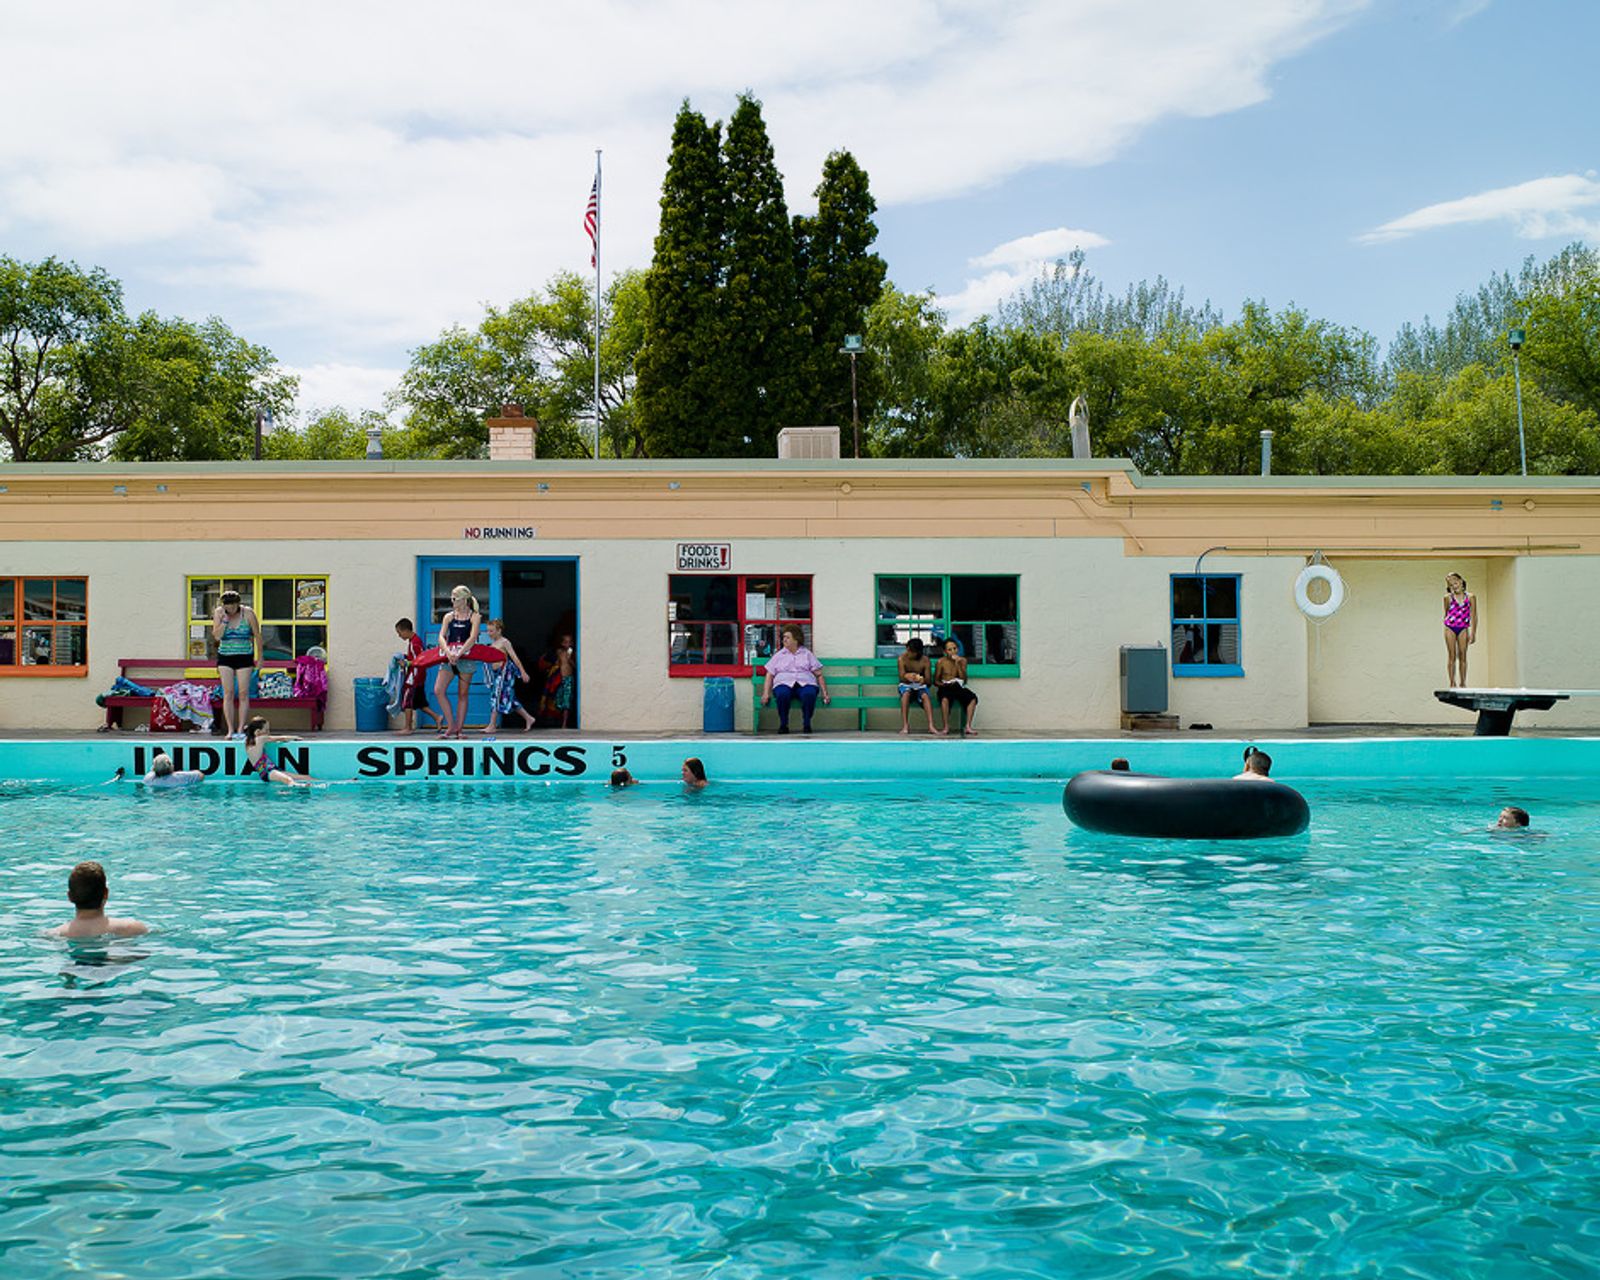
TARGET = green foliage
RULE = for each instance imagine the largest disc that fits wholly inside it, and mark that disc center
(336, 434)
(1562, 315)
(76, 373)
(839, 280)
(539, 353)
(677, 406)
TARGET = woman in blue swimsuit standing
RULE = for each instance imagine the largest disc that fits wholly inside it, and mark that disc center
(237, 633)
(1460, 628)
(458, 632)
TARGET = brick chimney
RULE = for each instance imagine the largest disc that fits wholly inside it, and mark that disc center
(512, 436)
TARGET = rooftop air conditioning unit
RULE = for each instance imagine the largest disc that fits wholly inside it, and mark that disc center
(809, 442)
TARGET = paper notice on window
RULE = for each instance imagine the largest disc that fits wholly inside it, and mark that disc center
(311, 598)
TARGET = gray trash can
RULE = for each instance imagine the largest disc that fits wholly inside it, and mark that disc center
(718, 714)
(372, 705)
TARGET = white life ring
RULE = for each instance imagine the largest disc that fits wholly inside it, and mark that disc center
(1319, 573)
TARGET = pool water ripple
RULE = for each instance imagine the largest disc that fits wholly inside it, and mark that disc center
(820, 1031)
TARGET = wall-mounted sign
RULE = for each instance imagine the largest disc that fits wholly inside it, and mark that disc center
(503, 532)
(703, 556)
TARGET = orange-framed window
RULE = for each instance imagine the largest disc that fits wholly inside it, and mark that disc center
(727, 624)
(44, 626)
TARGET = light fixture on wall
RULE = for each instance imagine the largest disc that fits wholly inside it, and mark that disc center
(673, 484)
(161, 488)
(121, 490)
(542, 487)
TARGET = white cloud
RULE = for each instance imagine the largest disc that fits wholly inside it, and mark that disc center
(1012, 266)
(352, 387)
(343, 181)
(1041, 246)
(1564, 206)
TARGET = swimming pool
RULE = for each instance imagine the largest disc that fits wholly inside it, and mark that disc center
(908, 1028)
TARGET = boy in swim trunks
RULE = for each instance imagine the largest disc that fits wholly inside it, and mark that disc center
(915, 676)
(86, 890)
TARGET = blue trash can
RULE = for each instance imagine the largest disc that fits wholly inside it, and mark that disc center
(718, 716)
(372, 705)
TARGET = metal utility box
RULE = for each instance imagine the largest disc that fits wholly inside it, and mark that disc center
(1143, 669)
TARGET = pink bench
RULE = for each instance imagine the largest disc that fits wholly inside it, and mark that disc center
(116, 702)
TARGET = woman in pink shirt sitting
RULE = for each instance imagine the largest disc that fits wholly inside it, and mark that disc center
(794, 672)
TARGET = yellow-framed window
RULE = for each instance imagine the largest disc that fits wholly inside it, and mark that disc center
(44, 626)
(292, 609)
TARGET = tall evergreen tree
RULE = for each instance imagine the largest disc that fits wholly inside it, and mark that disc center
(678, 401)
(840, 279)
(759, 354)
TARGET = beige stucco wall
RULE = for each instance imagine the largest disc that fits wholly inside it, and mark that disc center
(1379, 659)
(1558, 618)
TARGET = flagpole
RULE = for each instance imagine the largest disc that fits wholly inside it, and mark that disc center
(597, 224)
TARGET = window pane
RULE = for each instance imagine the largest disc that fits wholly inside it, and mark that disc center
(986, 599)
(72, 600)
(894, 597)
(277, 598)
(685, 644)
(277, 642)
(1222, 598)
(722, 643)
(760, 598)
(446, 580)
(1188, 645)
(72, 646)
(927, 597)
(311, 598)
(246, 587)
(892, 636)
(794, 597)
(8, 646)
(38, 598)
(760, 639)
(308, 638)
(1187, 598)
(204, 596)
(8, 599)
(38, 645)
(1222, 642)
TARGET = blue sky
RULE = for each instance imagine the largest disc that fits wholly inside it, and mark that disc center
(342, 182)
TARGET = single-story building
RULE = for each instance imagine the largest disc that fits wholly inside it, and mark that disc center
(668, 572)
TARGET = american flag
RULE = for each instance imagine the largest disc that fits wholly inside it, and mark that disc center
(591, 221)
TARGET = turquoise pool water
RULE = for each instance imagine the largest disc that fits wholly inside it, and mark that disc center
(824, 1030)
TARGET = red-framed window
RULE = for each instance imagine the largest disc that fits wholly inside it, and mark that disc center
(726, 624)
(44, 626)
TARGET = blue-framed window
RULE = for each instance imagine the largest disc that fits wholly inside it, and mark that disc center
(1205, 625)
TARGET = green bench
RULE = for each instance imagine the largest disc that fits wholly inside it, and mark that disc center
(854, 684)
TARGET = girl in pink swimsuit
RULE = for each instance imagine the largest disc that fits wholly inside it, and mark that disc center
(1460, 628)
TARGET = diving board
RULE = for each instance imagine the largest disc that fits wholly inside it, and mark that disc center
(1497, 707)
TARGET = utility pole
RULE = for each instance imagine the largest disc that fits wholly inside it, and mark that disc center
(1518, 337)
(853, 347)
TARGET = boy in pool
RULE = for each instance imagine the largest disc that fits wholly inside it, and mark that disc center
(1511, 819)
(86, 890)
(622, 778)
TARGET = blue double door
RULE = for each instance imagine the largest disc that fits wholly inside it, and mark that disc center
(536, 597)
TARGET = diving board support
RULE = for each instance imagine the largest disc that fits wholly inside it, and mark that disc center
(1496, 708)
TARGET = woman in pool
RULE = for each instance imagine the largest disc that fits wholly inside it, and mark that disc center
(794, 672)
(694, 774)
(258, 736)
(458, 632)
(237, 631)
(1460, 628)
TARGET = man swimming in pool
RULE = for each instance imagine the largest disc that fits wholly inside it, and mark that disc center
(164, 775)
(1257, 766)
(86, 890)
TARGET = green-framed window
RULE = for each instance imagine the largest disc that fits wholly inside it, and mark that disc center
(292, 610)
(1206, 625)
(981, 610)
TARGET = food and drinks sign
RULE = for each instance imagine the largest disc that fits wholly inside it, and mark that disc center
(705, 557)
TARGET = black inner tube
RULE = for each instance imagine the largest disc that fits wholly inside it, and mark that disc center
(1145, 804)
